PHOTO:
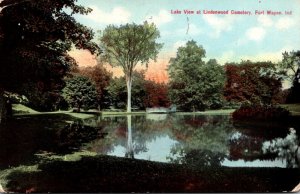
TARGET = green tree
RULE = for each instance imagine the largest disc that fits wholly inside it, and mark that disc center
(195, 84)
(117, 91)
(290, 66)
(80, 92)
(101, 78)
(128, 45)
(35, 37)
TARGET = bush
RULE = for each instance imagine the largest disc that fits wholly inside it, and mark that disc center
(260, 112)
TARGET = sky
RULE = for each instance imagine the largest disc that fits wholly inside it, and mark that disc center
(227, 38)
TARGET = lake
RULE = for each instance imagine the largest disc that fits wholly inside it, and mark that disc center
(198, 141)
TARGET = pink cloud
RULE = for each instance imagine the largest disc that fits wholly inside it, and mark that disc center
(156, 71)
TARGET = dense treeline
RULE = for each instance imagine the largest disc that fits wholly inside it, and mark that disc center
(36, 36)
(194, 84)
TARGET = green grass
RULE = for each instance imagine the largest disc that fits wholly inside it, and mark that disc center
(208, 112)
(222, 112)
(19, 108)
(4, 174)
(76, 156)
(80, 115)
(113, 174)
(293, 108)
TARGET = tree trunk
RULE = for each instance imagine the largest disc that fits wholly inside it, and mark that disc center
(128, 83)
(3, 106)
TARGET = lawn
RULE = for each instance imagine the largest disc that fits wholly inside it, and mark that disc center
(293, 108)
(112, 174)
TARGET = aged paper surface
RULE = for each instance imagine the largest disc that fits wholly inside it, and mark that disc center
(161, 111)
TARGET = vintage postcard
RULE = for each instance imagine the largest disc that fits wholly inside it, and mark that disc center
(147, 96)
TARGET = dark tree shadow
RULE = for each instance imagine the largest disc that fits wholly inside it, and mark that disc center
(23, 137)
(113, 174)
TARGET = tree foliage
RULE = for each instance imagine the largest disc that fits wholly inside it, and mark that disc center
(290, 66)
(101, 78)
(145, 93)
(117, 91)
(117, 94)
(156, 94)
(40, 98)
(80, 92)
(130, 44)
(256, 83)
(195, 84)
(35, 37)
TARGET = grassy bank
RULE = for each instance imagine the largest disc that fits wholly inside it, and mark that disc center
(113, 174)
(293, 108)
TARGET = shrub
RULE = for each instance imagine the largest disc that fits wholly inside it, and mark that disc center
(260, 112)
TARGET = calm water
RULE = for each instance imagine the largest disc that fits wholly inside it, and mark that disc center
(196, 140)
(191, 139)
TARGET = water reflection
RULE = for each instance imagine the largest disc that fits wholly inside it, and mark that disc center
(24, 137)
(196, 140)
(135, 137)
(129, 150)
(203, 140)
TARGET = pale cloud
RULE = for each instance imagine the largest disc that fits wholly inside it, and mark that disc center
(194, 30)
(285, 23)
(268, 56)
(178, 44)
(241, 41)
(219, 24)
(163, 17)
(256, 34)
(227, 56)
(282, 23)
(165, 33)
(190, 29)
(275, 56)
(265, 20)
(117, 15)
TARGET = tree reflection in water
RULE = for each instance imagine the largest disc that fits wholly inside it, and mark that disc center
(129, 149)
(204, 140)
(196, 158)
(196, 140)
